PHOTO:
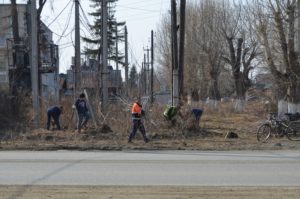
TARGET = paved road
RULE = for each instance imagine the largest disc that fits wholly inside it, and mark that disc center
(245, 168)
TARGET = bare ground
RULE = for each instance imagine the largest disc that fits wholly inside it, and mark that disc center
(149, 192)
(209, 135)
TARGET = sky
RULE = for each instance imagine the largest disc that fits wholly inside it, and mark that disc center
(141, 16)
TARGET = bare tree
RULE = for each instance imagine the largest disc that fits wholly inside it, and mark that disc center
(163, 49)
(242, 48)
(204, 49)
(276, 24)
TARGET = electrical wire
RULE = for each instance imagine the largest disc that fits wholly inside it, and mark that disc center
(60, 13)
(67, 24)
(137, 2)
(139, 9)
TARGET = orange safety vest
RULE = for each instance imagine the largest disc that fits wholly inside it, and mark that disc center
(136, 109)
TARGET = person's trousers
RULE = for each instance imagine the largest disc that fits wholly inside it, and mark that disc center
(137, 124)
(82, 120)
(49, 116)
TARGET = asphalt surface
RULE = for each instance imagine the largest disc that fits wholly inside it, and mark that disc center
(182, 168)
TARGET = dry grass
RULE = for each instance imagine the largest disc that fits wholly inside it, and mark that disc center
(114, 127)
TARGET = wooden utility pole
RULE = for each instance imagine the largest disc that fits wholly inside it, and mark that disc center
(77, 51)
(104, 42)
(298, 26)
(126, 61)
(147, 70)
(14, 80)
(34, 64)
(15, 22)
(152, 62)
(117, 50)
(145, 75)
(142, 82)
(175, 83)
(181, 48)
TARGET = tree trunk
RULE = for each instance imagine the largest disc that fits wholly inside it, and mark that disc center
(294, 97)
(214, 94)
(240, 87)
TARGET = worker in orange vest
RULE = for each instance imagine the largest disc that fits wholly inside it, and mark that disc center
(136, 113)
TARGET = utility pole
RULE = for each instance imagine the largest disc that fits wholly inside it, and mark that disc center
(181, 48)
(34, 64)
(147, 70)
(77, 50)
(126, 61)
(145, 75)
(298, 26)
(104, 55)
(175, 83)
(142, 80)
(152, 62)
(15, 29)
(117, 50)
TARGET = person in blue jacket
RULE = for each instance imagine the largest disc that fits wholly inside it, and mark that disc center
(54, 112)
(82, 111)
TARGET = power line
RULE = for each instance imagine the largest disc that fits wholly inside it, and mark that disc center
(60, 13)
(59, 35)
(140, 9)
(67, 24)
(137, 2)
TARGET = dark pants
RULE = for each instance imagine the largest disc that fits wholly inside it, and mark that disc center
(82, 119)
(56, 121)
(137, 124)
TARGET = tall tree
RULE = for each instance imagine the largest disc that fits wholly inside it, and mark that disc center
(114, 32)
(242, 48)
(211, 43)
(276, 23)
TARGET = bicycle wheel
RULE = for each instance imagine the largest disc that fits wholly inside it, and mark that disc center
(263, 132)
(293, 131)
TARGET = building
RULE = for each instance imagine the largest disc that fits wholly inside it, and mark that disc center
(14, 55)
(89, 78)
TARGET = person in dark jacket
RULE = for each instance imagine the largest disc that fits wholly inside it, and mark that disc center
(54, 112)
(82, 112)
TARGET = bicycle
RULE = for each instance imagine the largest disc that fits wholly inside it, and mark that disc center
(279, 128)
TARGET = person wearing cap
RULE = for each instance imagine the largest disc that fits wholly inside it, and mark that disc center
(82, 112)
(136, 113)
(54, 112)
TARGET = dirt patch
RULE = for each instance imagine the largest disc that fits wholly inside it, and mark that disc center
(149, 192)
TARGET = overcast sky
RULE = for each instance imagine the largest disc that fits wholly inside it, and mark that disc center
(141, 17)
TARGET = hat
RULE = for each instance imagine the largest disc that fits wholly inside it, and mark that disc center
(82, 95)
